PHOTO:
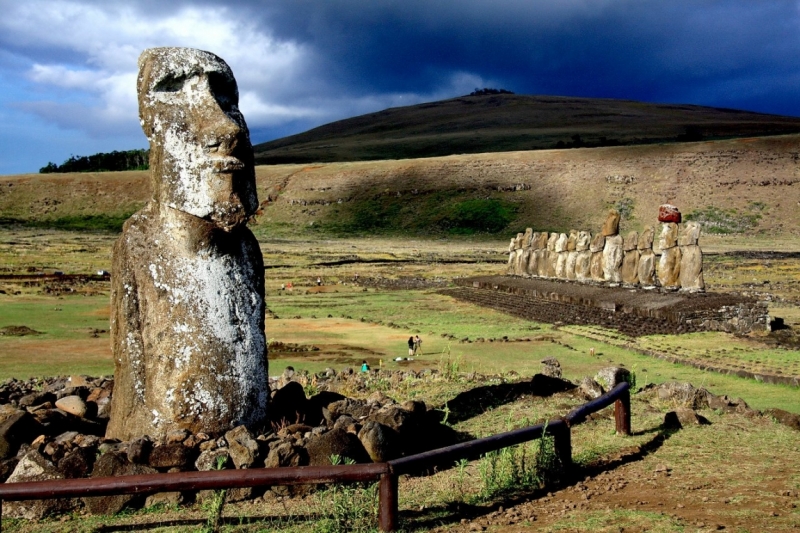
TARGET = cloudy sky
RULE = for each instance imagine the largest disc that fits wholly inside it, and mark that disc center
(68, 68)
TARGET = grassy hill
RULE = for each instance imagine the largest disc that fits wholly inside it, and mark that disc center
(508, 122)
(743, 190)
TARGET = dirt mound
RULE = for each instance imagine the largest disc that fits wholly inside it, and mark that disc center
(18, 331)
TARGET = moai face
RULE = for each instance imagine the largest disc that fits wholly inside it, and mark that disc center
(201, 158)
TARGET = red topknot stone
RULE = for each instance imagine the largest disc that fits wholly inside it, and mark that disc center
(669, 213)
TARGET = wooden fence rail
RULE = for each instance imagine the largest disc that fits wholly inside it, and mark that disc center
(386, 473)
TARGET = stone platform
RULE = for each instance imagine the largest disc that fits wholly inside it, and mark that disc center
(634, 312)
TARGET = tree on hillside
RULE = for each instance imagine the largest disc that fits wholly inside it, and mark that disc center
(102, 162)
(486, 91)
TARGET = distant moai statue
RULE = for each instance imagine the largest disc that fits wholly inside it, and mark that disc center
(691, 274)
(561, 257)
(669, 265)
(630, 259)
(647, 259)
(552, 255)
(542, 255)
(511, 256)
(531, 267)
(522, 261)
(596, 264)
(187, 319)
(583, 260)
(612, 251)
(572, 254)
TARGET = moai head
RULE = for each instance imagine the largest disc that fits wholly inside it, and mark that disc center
(690, 234)
(646, 238)
(201, 159)
(584, 238)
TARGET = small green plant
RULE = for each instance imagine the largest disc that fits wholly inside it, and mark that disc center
(351, 507)
(213, 506)
(461, 471)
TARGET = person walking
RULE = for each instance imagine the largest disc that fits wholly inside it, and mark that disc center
(417, 345)
(411, 346)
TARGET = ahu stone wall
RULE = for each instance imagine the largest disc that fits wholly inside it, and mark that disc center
(610, 258)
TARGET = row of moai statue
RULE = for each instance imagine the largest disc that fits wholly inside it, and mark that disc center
(609, 258)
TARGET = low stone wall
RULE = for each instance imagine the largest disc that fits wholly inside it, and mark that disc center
(633, 312)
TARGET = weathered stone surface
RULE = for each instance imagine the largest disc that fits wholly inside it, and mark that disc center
(115, 464)
(669, 213)
(286, 454)
(596, 267)
(668, 238)
(187, 292)
(631, 241)
(572, 261)
(552, 255)
(689, 234)
(597, 243)
(784, 417)
(166, 499)
(335, 442)
(583, 241)
(73, 405)
(561, 243)
(34, 467)
(590, 389)
(174, 455)
(288, 404)
(647, 268)
(691, 269)
(611, 225)
(16, 427)
(630, 267)
(646, 239)
(669, 268)
(611, 376)
(77, 463)
(583, 264)
(242, 447)
(217, 459)
(612, 259)
(683, 394)
(572, 240)
(532, 268)
(380, 441)
(551, 367)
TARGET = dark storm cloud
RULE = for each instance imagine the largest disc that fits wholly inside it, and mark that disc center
(711, 52)
(69, 66)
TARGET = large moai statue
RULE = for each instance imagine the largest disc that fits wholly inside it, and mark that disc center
(561, 257)
(583, 260)
(630, 259)
(516, 251)
(669, 265)
(647, 259)
(612, 251)
(572, 254)
(187, 296)
(691, 273)
(596, 249)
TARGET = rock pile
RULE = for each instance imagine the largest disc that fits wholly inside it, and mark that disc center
(610, 258)
(53, 429)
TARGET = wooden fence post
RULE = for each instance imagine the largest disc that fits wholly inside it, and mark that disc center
(562, 441)
(388, 502)
(622, 413)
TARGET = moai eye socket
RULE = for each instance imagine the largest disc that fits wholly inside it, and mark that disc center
(170, 84)
(223, 88)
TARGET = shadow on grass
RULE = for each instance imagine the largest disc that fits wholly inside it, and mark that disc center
(477, 401)
(454, 512)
